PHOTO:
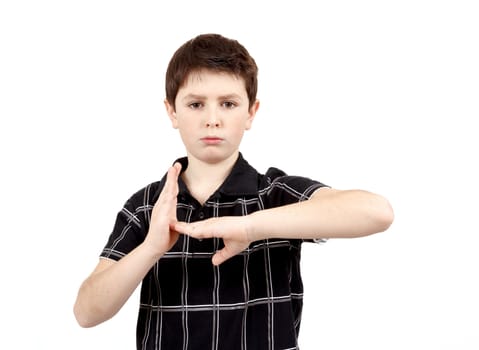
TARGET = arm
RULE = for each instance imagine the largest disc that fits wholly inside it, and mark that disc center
(328, 213)
(110, 285)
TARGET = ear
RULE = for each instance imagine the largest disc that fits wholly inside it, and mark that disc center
(251, 114)
(170, 110)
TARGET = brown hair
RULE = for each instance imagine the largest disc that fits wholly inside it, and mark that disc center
(215, 53)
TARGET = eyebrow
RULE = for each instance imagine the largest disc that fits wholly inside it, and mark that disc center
(203, 97)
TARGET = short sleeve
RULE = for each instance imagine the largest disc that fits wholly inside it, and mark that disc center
(282, 189)
(131, 224)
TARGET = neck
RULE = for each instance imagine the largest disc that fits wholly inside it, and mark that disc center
(203, 179)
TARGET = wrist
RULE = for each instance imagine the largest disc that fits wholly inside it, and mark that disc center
(151, 251)
(250, 227)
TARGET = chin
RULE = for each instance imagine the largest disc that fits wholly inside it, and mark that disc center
(214, 156)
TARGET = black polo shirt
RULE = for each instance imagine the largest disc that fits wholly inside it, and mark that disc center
(251, 301)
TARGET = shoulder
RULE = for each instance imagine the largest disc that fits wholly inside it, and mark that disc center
(151, 191)
(145, 196)
(300, 187)
(275, 177)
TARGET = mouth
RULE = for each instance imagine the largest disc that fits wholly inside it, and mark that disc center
(211, 140)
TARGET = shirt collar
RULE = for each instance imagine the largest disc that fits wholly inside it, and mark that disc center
(242, 180)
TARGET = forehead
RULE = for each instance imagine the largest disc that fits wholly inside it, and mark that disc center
(203, 81)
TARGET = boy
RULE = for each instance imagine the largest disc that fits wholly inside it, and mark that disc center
(216, 245)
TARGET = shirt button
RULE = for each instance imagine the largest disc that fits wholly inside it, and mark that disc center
(201, 215)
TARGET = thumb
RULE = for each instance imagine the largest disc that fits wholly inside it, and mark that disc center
(221, 256)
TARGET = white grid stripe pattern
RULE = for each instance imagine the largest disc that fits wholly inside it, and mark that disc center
(251, 298)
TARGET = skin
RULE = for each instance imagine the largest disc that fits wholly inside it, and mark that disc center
(211, 113)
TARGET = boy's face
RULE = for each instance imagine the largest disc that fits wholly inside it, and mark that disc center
(212, 114)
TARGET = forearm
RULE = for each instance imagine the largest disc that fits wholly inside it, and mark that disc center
(327, 214)
(331, 214)
(105, 291)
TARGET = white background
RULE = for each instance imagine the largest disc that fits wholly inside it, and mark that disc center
(378, 95)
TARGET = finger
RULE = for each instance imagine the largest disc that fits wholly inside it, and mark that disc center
(196, 230)
(171, 184)
(173, 174)
(173, 230)
(221, 256)
(182, 227)
(177, 167)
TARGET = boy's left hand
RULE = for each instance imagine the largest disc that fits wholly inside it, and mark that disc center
(232, 229)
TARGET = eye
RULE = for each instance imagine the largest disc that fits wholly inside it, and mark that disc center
(195, 105)
(229, 104)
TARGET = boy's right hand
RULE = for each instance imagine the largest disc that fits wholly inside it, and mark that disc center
(161, 235)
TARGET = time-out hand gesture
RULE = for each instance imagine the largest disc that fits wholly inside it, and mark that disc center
(162, 235)
(232, 229)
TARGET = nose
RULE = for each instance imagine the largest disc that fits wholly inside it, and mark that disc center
(213, 119)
